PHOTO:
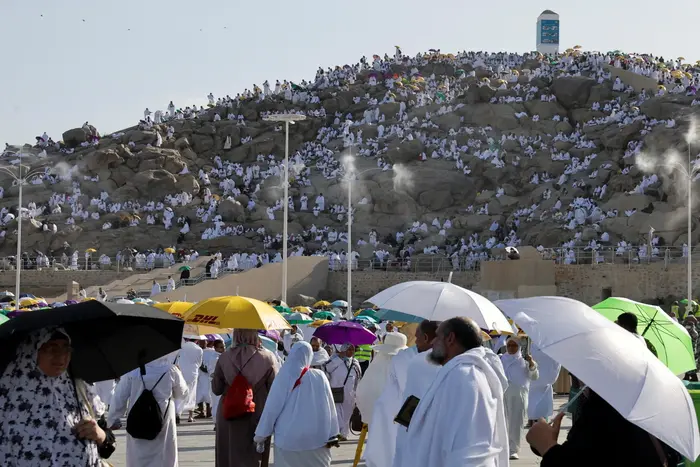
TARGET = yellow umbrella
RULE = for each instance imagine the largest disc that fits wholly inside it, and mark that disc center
(302, 309)
(321, 304)
(485, 336)
(235, 312)
(577, 47)
(90, 250)
(319, 323)
(201, 329)
(26, 301)
(661, 86)
(175, 308)
(681, 59)
(169, 250)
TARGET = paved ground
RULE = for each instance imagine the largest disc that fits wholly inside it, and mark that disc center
(196, 446)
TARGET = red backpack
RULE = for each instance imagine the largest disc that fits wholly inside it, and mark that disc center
(238, 400)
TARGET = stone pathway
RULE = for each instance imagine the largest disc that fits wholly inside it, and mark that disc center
(196, 446)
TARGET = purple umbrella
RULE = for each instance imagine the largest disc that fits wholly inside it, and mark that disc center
(345, 331)
(71, 302)
(271, 334)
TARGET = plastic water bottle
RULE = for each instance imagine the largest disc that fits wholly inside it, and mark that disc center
(260, 448)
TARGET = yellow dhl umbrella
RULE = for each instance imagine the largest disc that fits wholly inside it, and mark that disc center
(175, 308)
(319, 323)
(201, 329)
(90, 250)
(235, 312)
(321, 303)
(169, 250)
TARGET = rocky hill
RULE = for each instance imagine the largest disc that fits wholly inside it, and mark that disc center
(510, 149)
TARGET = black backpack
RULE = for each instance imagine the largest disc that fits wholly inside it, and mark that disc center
(145, 420)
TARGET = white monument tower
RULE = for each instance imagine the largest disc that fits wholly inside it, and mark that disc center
(548, 32)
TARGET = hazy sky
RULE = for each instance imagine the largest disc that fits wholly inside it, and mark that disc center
(59, 71)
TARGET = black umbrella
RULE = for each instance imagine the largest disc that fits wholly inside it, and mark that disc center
(108, 339)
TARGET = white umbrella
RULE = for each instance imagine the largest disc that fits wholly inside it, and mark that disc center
(606, 358)
(125, 301)
(440, 301)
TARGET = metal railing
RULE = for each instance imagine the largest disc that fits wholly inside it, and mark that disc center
(433, 263)
(54, 263)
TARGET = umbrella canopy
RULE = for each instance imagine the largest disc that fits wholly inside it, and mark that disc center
(321, 304)
(269, 344)
(319, 323)
(340, 303)
(367, 319)
(302, 309)
(176, 308)
(235, 312)
(369, 312)
(201, 330)
(169, 250)
(299, 318)
(603, 355)
(323, 315)
(3, 319)
(125, 301)
(391, 315)
(345, 331)
(673, 344)
(282, 309)
(271, 334)
(440, 301)
(108, 339)
(184, 268)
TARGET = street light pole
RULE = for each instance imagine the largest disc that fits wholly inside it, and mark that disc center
(690, 231)
(349, 255)
(351, 175)
(9, 170)
(287, 119)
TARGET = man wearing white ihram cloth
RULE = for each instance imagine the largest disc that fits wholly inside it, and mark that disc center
(540, 403)
(421, 374)
(381, 442)
(460, 421)
(519, 371)
(373, 381)
(189, 360)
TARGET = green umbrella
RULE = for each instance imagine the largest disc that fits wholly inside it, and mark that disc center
(323, 315)
(298, 318)
(4, 319)
(184, 268)
(369, 312)
(685, 302)
(282, 309)
(671, 341)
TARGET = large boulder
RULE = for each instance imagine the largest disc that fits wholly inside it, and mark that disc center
(572, 91)
(75, 137)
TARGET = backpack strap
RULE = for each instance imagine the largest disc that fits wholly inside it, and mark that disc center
(298, 381)
(154, 386)
(352, 361)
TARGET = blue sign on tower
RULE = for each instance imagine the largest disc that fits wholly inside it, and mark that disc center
(549, 31)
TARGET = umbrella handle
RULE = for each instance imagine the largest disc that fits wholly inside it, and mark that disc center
(564, 407)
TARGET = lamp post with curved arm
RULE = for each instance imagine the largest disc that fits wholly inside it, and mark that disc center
(287, 119)
(351, 176)
(20, 173)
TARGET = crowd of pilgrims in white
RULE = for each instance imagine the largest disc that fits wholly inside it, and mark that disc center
(315, 157)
